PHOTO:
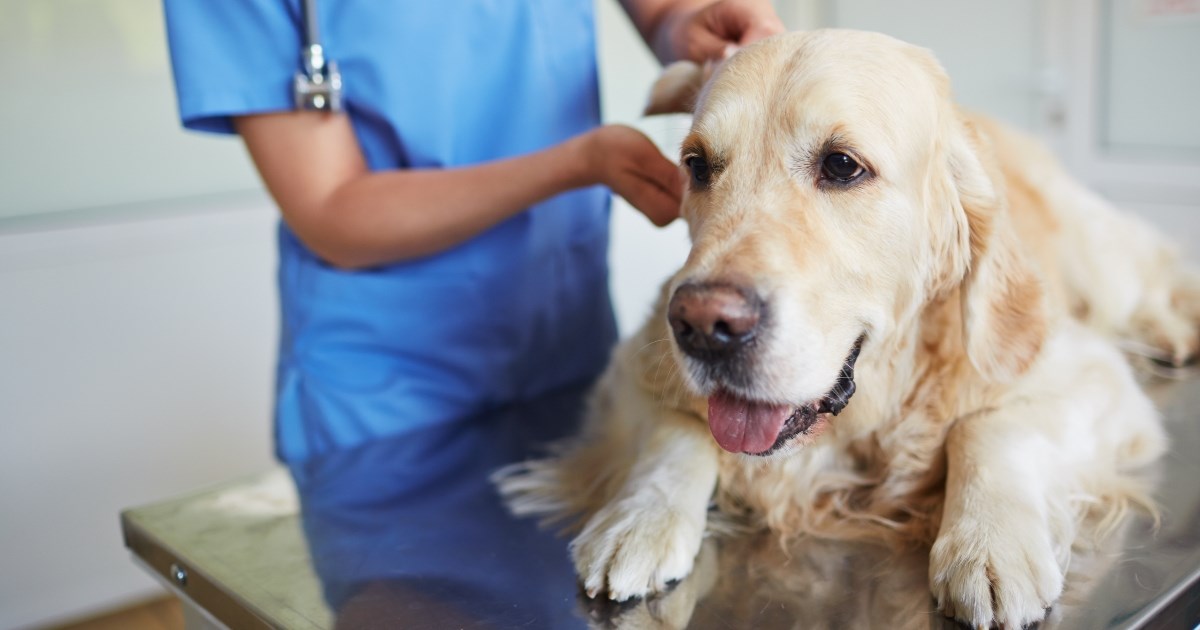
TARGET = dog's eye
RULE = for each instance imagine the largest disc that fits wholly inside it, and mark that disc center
(840, 167)
(701, 172)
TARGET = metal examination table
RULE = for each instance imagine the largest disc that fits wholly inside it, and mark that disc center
(375, 538)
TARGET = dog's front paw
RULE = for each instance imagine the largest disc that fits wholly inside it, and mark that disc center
(1166, 324)
(1003, 573)
(636, 546)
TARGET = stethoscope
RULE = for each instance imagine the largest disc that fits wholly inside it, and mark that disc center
(319, 86)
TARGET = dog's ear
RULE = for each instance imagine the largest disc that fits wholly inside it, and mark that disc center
(1003, 298)
(677, 88)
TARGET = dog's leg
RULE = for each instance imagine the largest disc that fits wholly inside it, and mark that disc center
(648, 535)
(997, 557)
(667, 611)
(1148, 295)
(1168, 319)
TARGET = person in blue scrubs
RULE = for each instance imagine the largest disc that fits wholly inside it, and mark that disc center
(443, 248)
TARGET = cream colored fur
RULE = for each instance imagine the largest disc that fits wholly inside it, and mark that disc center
(992, 411)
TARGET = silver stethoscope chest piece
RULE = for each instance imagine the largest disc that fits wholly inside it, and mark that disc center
(319, 86)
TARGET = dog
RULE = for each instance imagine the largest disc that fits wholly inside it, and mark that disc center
(898, 322)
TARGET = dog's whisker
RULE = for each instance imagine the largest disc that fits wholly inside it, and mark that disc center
(658, 366)
(651, 343)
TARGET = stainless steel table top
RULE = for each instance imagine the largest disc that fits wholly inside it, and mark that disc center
(407, 532)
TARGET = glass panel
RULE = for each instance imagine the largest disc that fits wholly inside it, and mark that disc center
(990, 49)
(89, 116)
(1150, 78)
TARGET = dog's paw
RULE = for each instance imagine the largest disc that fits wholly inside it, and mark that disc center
(1171, 339)
(995, 573)
(663, 610)
(1167, 321)
(635, 547)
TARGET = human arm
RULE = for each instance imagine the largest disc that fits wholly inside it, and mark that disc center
(700, 30)
(355, 218)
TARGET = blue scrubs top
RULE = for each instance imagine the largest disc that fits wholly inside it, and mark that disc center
(517, 312)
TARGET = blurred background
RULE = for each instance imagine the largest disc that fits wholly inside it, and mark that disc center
(137, 300)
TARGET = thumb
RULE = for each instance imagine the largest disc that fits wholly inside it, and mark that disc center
(759, 30)
(744, 23)
(704, 45)
(659, 205)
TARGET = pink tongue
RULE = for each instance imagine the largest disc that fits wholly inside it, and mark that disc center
(741, 426)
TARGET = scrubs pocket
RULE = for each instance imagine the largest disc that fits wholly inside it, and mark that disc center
(395, 332)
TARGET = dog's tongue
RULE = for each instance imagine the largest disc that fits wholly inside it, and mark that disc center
(741, 426)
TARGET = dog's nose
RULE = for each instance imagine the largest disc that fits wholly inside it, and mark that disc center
(713, 321)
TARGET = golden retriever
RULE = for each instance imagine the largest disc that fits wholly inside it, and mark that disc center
(897, 322)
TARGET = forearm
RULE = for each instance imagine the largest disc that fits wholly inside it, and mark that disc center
(389, 216)
(353, 217)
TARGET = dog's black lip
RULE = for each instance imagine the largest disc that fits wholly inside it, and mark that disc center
(806, 416)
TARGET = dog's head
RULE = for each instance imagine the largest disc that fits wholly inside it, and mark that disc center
(834, 191)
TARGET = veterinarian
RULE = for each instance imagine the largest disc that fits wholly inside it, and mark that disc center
(444, 238)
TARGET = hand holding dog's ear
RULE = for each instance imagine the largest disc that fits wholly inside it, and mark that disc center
(629, 163)
(715, 31)
(701, 40)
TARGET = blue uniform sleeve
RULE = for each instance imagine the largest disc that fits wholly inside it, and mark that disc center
(231, 57)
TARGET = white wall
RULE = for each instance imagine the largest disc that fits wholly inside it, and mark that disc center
(136, 336)
(135, 364)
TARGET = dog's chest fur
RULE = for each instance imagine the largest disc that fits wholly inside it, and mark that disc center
(878, 472)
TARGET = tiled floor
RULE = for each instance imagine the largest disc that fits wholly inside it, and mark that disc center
(157, 614)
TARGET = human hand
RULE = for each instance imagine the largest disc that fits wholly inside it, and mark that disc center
(630, 164)
(714, 31)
